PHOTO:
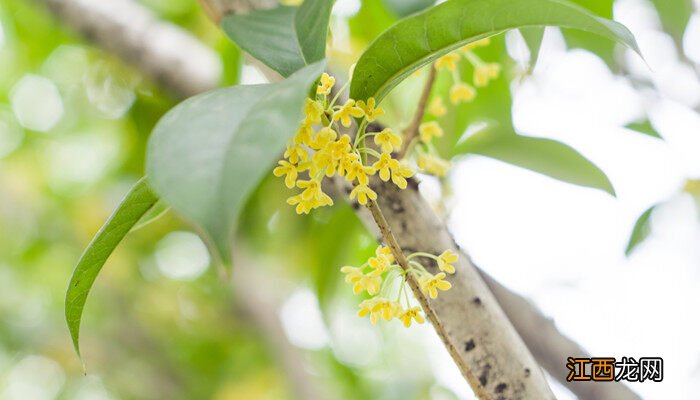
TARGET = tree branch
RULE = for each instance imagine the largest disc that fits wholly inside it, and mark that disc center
(168, 54)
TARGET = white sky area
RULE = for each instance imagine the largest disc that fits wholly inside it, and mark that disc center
(562, 246)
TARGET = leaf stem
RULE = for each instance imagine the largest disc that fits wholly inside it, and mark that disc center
(412, 130)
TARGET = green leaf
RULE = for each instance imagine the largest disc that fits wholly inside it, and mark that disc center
(137, 202)
(644, 127)
(283, 38)
(402, 8)
(545, 156)
(641, 230)
(605, 49)
(674, 15)
(420, 39)
(207, 155)
(533, 38)
(158, 210)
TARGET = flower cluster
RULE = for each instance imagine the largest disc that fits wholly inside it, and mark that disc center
(427, 157)
(318, 150)
(387, 302)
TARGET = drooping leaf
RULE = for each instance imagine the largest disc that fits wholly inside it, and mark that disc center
(546, 156)
(533, 38)
(208, 154)
(418, 40)
(283, 38)
(603, 48)
(137, 202)
(402, 8)
(674, 15)
(641, 230)
(644, 127)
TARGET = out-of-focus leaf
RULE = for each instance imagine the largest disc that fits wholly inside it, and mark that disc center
(533, 38)
(402, 8)
(605, 49)
(372, 19)
(674, 15)
(420, 39)
(644, 127)
(545, 156)
(283, 38)
(137, 202)
(208, 154)
(641, 230)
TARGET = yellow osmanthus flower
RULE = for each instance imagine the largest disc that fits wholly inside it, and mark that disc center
(445, 261)
(486, 72)
(371, 113)
(326, 84)
(346, 162)
(385, 251)
(429, 130)
(430, 285)
(352, 274)
(296, 154)
(340, 148)
(363, 193)
(379, 265)
(313, 110)
(385, 308)
(461, 92)
(391, 168)
(291, 2)
(399, 175)
(448, 61)
(388, 140)
(304, 135)
(323, 161)
(302, 206)
(346, 112)
(437, 107)
(479, 43)
(370, 283)
(376, 308)
(359, 172)
(323, 137)
(289, 171)
(412, 313)
(433, 165)
(384, 165)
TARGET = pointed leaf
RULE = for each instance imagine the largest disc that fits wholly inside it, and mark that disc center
(283, 38)
(418, 40)
(674, 15)
(209, 153)
(545, 156)
(644, 127)
(533, 38)
(641, 230)
(136, 203)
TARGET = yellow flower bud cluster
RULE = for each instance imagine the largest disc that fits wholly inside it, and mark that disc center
(379, 271)
(318, 150)
(460, 92)
(424, 153)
